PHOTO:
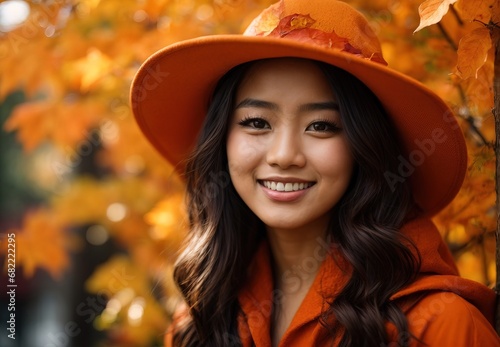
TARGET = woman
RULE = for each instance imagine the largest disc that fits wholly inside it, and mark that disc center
(309, 188)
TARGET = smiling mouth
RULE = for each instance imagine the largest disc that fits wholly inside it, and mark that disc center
(286, 186)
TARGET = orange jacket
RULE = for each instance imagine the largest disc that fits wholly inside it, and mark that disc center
(442, 308)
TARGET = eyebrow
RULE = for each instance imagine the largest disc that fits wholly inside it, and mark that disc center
(314, 106)
(257, 103)
(319, 106)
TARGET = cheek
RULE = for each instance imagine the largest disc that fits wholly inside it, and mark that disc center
(333, 159)
(242, 153)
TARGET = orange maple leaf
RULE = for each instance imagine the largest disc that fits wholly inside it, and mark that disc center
(27, 118)
(64, 123)
(473, 52)
(43, 242)
(480, 96)
(475, 9)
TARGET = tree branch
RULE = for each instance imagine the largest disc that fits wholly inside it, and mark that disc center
(484, 259)
(447, 36)
(495, 39)
(470, 119)
(468, 116)
(457, 249)
(457, 16)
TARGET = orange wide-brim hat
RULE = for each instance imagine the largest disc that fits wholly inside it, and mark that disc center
(171, 91)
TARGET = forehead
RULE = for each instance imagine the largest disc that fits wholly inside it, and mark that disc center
(280, 77)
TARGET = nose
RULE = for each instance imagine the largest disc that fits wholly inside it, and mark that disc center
(286, 150)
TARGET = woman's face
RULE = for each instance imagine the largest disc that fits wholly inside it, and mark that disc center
(288, 155)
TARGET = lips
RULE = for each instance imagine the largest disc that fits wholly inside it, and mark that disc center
(286, 186)
(285, 189)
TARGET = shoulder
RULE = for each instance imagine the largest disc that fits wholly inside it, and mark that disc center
(441, 318)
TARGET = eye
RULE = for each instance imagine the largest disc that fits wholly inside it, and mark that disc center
(254, 123)
(323, 127)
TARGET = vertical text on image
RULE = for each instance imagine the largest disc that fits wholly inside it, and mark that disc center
(11, 286)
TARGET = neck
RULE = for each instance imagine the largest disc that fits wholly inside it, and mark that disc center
(297, 256)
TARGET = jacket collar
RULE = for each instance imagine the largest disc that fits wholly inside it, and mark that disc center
(258, 296)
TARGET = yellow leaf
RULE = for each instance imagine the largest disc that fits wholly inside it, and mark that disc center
(431, 12)
(168, 219)
(84, 201)
(472, 52)
(117, 274)
(90, 69)
(475, 9)
(124, 291)
(92, 4)
(458, 235)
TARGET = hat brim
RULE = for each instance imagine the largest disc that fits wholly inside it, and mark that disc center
(172, 89)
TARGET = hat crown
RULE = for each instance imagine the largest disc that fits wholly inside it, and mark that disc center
(326, 23)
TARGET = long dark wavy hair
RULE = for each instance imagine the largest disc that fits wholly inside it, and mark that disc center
(364, 225)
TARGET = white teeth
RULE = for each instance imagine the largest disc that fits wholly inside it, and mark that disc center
(285, 187)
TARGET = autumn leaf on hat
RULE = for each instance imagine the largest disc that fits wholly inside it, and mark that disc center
(267, 21)
(298, 27)
(292, 23)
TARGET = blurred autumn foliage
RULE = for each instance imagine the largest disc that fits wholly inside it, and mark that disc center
(74, 61)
